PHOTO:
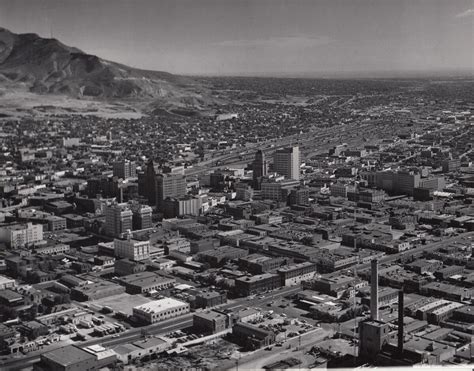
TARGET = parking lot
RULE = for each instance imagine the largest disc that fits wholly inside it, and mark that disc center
(121, 303)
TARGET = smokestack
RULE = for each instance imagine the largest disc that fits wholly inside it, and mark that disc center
(400, 321)
(374, 290)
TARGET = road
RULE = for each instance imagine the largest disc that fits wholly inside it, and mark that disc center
(131, 335)
(186, 320)
(161, 328)
(262, 357)
(245, 302)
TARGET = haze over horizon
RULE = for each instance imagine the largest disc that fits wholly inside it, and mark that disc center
(260, 37)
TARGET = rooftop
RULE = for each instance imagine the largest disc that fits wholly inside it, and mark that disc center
(160, 305)
(68, 355)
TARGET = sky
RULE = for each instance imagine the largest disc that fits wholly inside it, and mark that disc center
(260, 37)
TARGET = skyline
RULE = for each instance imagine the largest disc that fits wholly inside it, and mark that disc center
(260, 38)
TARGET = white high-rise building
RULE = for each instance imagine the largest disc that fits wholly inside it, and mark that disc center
(287, 162)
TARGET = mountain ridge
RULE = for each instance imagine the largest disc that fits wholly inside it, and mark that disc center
(47, 66)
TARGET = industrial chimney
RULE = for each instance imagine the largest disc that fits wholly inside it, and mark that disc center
(400, 321)
(374, 290)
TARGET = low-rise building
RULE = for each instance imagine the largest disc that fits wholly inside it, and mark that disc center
(251, 336)
(296, 273)
(21, 235)
(210, 322)
(68, 358)
(132, 249)
(146, 282)
(96, 290)
(245, 286)
(159, 310)
(210, 299)
(222, 254)
(258, 264)
(139, 349)
(6, 283)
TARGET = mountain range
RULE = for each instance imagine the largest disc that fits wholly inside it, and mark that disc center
(47, 66)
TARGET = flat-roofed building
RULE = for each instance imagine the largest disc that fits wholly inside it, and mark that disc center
(21, 235)
(169, 185)
(132, 249)
(146, 282)
(129, 352)
(160, 310)
(118, 219)
(142, 216)
(386, 296)
(278, 189)
(10, 298)
(210, 322)
(104, 356)
(68, 358)
(96, 290)
(296, 273)
(465, 314)
(246, 286)
(125, 169)
(287, 162)
(209, 299)
(220, 255)
(258, 264)
(52, 249)
(6, 283)
(251, 336)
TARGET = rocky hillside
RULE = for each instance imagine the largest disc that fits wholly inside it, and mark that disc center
(46, 66)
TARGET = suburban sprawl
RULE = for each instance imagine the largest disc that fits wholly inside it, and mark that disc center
(309, 223)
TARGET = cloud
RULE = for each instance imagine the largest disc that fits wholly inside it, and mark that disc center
(466, 13)
(298, 41)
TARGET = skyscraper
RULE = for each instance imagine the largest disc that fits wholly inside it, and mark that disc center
(141, 216)
(147, 183)
(259, 168)
(125, 169)
(118, 219)
(287, 162)
(169, 185)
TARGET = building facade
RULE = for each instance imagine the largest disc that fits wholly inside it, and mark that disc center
(160, 310)
(287, 162)
(132, 249)
(118, 219)
(21, 235)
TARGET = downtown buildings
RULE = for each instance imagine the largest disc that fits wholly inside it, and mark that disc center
(287, 162)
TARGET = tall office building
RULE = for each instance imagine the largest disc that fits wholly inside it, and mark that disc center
(118, 219)
(125, 169)
(147, 183)
(174, 207)
(141, 216)
(169, 185)
(260, 168)
(287, 162)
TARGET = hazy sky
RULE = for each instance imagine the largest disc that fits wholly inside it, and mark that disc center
(259, 36)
